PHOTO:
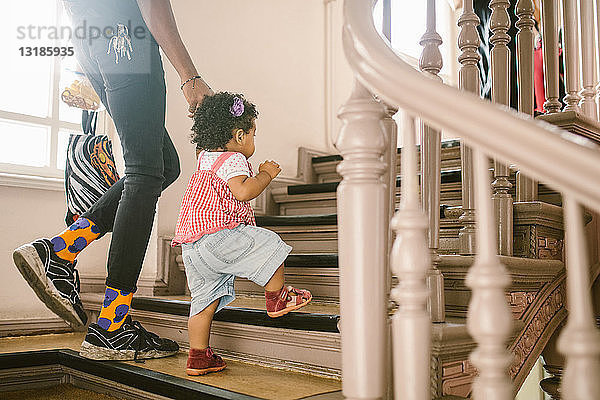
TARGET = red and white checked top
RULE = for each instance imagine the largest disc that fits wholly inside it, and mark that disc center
(208, 204)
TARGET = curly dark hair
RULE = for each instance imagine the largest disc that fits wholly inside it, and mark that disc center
(214, 123)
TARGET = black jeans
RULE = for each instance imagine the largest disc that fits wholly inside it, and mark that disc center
(133, 92)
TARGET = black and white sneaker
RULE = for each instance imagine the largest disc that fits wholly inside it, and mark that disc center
(130, 342)
(54, 280)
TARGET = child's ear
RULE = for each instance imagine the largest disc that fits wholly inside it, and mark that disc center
(239, 136)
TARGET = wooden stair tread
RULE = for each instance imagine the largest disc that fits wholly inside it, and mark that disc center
(300, 320)
(452, 176)
(164, 376)
(336, 157)
(296, 220)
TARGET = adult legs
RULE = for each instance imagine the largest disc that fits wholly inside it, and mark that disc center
(136, 103)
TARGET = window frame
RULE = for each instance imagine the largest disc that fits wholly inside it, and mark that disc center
(10, 172)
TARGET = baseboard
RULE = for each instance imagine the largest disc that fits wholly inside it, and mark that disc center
(33, 326)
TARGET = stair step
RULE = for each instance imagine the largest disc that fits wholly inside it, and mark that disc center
(325, 166)
(301, 341)
(45, 360)
(250, 316)
(452, 176)
(296, 220)
(316, 235)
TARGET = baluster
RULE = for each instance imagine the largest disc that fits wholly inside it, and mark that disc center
(571, 54)
(580, 340)
(489, 319)
(588, 59)
(431, 162)
(598, 53)
(411, 324)
(550, 52)
(361, 198)
(469, 80)
(391, 158)
(500, 57)
(526, 187)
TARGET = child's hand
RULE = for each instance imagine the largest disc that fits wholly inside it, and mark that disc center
(271, 168)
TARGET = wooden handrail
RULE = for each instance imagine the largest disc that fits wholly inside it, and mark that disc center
(497, 131)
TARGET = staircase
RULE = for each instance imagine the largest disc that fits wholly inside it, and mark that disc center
(496, 291)
(309, 341)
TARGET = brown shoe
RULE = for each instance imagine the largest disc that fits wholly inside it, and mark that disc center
(201, 362)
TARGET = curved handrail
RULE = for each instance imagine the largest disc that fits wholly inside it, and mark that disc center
(567, 161)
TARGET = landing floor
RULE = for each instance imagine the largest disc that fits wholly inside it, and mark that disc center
(250, 379)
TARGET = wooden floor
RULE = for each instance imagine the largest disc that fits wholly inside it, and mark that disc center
(60, 392)
(249, 379)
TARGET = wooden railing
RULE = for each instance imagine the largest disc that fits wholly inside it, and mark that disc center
(489, 131)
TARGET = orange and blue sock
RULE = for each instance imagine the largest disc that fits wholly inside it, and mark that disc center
(71, 242)
(115, 308)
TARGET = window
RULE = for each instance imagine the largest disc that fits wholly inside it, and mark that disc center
(34, 123)
(409, 24)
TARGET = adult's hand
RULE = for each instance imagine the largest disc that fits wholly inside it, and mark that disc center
(194, 92)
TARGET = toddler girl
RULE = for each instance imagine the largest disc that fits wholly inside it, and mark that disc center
(216, 227)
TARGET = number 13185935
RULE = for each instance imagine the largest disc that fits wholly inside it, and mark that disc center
(48, 51)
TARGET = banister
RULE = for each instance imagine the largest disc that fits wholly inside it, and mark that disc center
(554, 156)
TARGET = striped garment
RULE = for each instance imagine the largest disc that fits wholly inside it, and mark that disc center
(208, 204)
(89, 172)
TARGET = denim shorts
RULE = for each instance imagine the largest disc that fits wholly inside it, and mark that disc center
(213, 262)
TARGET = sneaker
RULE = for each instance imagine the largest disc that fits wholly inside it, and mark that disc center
(286, 300)
(202, 362)
(54, 280)
(130, 342)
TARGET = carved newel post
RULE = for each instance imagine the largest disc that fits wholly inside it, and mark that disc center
(431, 163)
(468, 80)
(361, 200)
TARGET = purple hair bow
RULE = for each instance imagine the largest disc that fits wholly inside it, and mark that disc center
(237, 108)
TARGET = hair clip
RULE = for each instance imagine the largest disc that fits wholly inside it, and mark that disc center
(237, 108)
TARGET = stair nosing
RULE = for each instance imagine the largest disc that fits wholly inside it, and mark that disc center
(313, 322)
(445, 144)
(448, 176)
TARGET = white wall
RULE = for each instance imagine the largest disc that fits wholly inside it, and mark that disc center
(273, 51)
(26, 215)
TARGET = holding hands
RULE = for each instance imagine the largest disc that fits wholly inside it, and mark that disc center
(270, 167)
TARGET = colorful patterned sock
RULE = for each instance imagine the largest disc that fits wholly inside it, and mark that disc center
(115, 308)
(77, 236)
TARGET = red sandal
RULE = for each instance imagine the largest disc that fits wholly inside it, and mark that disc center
(285, 300)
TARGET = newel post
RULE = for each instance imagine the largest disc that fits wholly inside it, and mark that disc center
(361, 200)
